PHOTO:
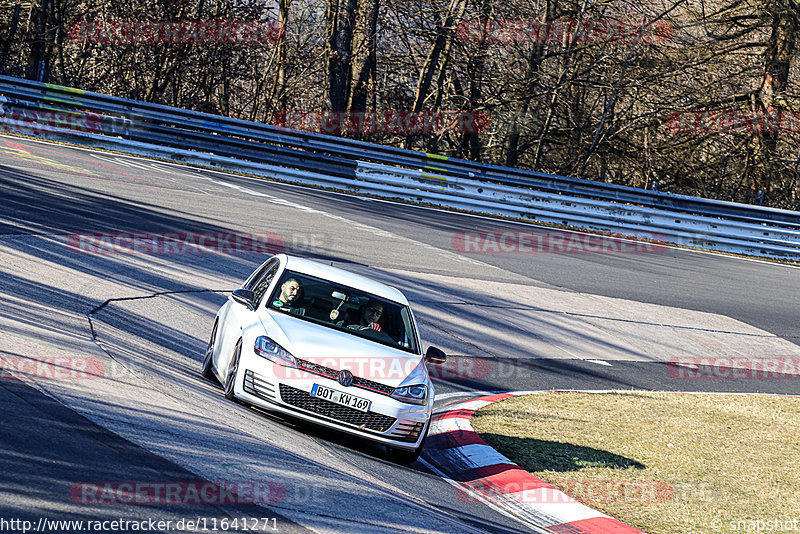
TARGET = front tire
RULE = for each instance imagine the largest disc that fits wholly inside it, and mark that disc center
(233, 370)
(207, 370)
(406, 457)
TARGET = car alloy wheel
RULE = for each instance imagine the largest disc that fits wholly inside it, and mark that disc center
(233, 369)
(208, 360)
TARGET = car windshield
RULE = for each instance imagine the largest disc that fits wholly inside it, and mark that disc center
(345, 309)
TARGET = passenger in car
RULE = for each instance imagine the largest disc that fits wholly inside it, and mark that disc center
(370, 316)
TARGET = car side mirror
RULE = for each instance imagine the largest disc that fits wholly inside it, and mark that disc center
(435, 355)
(246, 297)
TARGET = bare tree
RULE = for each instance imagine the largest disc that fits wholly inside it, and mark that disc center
(657, 112)
(365, 64)
(341, 20)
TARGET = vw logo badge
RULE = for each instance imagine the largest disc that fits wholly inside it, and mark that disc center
(345, 378)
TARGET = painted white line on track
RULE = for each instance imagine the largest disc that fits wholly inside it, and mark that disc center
(600, 362)
(118, 161)
(350, 223)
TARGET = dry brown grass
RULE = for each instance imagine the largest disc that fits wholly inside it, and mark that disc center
(668, 463)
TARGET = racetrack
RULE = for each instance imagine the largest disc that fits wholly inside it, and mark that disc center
(512, 321)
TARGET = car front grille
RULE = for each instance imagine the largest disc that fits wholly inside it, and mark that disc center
(358, 382)
(363, 420)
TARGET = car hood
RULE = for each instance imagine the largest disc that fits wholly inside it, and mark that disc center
(339, 350)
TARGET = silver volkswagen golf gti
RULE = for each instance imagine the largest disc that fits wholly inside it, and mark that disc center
(327, 346)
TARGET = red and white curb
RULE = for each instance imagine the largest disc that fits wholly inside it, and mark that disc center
(461, 453)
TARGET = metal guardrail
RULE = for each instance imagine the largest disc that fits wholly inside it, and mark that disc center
(143, 128)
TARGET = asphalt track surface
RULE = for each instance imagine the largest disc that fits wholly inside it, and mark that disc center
(150, 417)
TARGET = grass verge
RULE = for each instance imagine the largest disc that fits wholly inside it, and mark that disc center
(662, 462)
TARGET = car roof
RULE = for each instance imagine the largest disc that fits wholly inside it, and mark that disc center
(334, 274)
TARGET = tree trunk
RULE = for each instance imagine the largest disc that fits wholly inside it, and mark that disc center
(279, 92)
(4, 52)
(519, 111)
(445, 32)
(785, 15)
(444, 37)
(44, 37)
(341, 24)
(365, 65)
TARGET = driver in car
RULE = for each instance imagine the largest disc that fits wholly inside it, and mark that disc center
(289, 292)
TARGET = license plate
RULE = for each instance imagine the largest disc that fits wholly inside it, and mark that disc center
(339, 397)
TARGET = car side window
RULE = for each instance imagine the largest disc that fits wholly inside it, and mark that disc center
(260, 283)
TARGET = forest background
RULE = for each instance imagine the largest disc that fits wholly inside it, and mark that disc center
(686, 96)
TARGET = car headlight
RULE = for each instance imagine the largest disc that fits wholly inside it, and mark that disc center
(266, 348)
(412, 394)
